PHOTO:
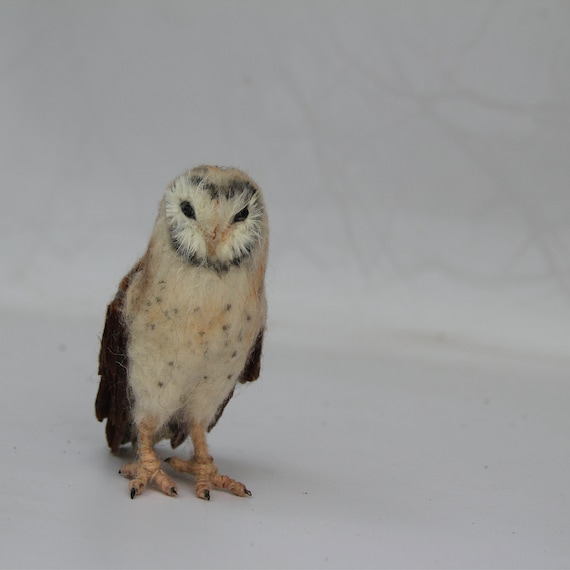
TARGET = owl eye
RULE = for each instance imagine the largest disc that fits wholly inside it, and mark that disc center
(187, 210)
(241, 215)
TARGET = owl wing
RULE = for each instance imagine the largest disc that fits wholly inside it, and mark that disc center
(112, 400)
(253, 363)
(249, 374)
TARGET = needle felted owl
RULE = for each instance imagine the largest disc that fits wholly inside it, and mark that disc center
(185, 326)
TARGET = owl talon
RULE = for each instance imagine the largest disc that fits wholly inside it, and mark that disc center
(207, 475)
(144, 472)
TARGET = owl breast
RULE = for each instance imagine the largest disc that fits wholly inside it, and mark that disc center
(189, 341)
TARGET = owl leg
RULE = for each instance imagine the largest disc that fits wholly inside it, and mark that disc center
(202, 466)
(147, 468)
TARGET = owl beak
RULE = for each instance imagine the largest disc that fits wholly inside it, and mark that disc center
(212, 242)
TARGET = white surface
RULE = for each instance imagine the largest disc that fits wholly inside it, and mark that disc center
(413, 410)
(411, 456)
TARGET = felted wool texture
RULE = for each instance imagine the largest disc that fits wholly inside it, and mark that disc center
(191, 331)
(187, 322)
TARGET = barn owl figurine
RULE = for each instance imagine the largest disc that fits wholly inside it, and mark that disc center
(185, 326)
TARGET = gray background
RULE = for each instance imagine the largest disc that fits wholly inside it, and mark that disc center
(414, 157)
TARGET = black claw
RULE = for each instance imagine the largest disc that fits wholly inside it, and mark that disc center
(168, 459)
(133, 493)
(173, 491)
(120, 472)
(248, 492)
(207, 495)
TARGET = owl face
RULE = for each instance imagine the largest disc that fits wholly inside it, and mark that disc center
(215, 216)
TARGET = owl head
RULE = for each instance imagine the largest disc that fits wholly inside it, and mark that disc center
(215, 216)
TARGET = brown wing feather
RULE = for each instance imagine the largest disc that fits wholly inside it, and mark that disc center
(249, 374)
(112, 400)
(253, 364)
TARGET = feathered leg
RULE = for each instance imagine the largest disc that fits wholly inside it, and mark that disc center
(202, 466)
(147, 468)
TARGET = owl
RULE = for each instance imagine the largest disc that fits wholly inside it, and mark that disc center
(185, 326)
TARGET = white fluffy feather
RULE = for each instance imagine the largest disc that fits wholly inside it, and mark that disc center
(212, 237)
(193, 321)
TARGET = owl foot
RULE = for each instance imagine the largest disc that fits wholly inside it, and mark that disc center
(207, 476)
(140, 473)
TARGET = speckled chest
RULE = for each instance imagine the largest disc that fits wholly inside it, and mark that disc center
(194, 326)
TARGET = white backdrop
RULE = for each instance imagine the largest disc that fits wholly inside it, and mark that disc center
(414, 158)
(414, 154)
